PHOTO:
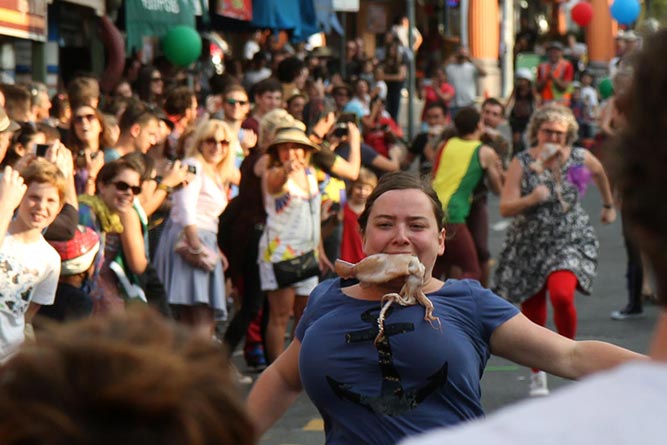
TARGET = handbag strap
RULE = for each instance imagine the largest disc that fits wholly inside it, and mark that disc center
(312, 216)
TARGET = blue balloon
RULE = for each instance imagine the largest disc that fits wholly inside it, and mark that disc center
(625, 12)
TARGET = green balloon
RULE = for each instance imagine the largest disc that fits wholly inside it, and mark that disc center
(182, 45)
(606, 88)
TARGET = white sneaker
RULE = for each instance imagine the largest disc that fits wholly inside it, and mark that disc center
(538, 384)
(242, 379)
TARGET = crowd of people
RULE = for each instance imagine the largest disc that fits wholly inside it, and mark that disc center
(236, 195)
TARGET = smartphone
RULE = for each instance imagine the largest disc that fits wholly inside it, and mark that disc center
(40, 149)
(347, 118)
(192, 169)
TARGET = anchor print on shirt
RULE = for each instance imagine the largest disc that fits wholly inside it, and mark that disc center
(393, 400)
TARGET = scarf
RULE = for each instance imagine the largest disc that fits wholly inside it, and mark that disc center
(109, 221)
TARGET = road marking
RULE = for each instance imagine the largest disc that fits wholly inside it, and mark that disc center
(502, 368)
(501, 225)
(314, 425)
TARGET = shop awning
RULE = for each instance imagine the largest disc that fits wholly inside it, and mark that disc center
(21, 23)
(154, 18)
(297, 16)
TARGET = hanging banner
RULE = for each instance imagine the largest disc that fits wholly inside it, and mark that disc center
(23, 19)
(151, 19)
(235, 9)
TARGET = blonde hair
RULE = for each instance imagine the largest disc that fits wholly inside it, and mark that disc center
(44, 172)
(269, 125)
(553, 113)
(366, 177)
(206, 130)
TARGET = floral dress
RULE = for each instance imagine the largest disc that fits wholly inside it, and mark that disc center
(551, 236)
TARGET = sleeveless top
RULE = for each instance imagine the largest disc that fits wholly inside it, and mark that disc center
(292, 223)
(458, 173)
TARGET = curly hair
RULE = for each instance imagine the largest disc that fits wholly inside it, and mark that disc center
(552, 113)
(131, 379)
(638, 154)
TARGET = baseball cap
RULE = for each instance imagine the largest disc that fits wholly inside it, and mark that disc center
(78, 253)
(524, 73)
(7, 124)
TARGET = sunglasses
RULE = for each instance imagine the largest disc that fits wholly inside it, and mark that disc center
(79, 118)
(122, 186)
(214, 141)
(235, 101)
(550, 132)
(156, 79)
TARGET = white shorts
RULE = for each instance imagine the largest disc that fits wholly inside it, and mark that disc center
(269, 283)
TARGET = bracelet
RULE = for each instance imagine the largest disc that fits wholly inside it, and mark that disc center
(91, 179)
(196, 251)
(608, 206)
(167, 188)
(314, 133)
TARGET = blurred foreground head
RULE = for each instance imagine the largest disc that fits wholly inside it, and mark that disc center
(136, 379)
(639, 161)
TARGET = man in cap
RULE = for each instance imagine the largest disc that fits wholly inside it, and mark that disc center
(555, 76)
(627, 42)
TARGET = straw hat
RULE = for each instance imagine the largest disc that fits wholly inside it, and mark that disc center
(293, 135)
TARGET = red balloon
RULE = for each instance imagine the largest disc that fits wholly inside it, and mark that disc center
(582, 13)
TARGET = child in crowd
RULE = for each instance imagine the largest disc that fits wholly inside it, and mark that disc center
(30, 266)
(77, 265)
(350, 248)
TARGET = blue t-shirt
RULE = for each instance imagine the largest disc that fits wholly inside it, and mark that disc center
(424, 377)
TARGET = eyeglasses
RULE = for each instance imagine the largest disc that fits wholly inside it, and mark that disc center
(122, 186)
(214, 141)
(549, 132)
(233, 102)
(156, 79)
(79, 118)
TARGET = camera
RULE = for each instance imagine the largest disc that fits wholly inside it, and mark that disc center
(40, 149)
(81, 159)
(340, 130)
(341, 127)
(192, 169)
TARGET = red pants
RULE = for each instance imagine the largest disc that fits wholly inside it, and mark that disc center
(561, 286)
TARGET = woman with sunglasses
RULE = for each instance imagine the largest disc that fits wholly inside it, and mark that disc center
(187, 259)
(88, 137)
(551, 244)
(116, 185)
(292, 229)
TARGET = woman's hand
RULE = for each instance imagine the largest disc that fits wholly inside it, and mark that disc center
(175, 174)
(94, 163)
(60, 155)
(608, 215)
(540, 194)
(12, 190)
(249, 139)
(324, 125)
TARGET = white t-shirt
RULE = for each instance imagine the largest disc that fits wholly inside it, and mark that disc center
(463, 78)
(28, 273)
(624, 406)
(249, 49)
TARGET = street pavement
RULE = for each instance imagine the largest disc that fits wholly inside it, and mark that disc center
(505, 382)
